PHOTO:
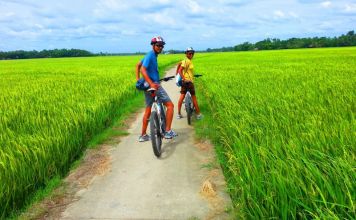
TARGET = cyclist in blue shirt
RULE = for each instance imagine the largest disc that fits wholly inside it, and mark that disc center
(149, 70)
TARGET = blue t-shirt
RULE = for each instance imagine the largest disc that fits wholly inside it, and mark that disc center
(150, 63)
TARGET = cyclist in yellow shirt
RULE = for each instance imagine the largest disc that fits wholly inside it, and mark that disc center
(186, 71)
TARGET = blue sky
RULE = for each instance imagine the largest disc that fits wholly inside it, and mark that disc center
(128, 26)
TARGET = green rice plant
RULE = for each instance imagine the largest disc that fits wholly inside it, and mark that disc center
(285, 121)
(50, 109)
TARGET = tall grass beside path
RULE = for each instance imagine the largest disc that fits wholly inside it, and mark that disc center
(49, 110)
(285, 124)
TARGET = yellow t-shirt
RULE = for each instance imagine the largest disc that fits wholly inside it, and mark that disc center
(187, 71)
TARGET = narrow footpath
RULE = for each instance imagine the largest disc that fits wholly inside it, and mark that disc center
(185, 183)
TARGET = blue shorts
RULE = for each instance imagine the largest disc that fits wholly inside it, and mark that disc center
(161, 94)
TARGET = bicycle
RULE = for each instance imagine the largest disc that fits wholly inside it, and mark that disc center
(188, 104)
(158, 120)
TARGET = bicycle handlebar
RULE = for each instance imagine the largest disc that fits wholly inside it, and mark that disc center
(171, 77)
(163, 79)
(166, 78)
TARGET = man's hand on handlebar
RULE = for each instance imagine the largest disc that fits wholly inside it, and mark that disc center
(154, 86)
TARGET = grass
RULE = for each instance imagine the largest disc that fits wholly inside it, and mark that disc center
(36, 197)
(117, 129)
(50, 110)
(283, 123)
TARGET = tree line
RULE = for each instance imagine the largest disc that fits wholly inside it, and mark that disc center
(21, 54)
(348, 39)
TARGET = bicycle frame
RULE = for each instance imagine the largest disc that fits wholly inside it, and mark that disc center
(158, 107)
(189, 106)
(157, 121)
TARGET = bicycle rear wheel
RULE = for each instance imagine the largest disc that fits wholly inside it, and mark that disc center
(188, 108)
(156, 135)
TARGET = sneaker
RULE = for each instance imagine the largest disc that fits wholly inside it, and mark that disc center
(200, 116)
(144, 138)
(179, 116)
(170, 134)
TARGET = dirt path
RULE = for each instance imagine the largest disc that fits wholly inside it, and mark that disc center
(185, 183)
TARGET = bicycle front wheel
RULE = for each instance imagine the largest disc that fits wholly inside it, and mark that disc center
(156, 135)
(163, 119)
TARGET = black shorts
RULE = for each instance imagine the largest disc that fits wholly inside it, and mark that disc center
(187, 86)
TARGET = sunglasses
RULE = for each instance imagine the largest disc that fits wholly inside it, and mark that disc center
(159, 45)
(190, 53)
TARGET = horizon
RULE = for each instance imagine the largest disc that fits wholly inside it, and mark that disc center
(175, 50)
(116, 26)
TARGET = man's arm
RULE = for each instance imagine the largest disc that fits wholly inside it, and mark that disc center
(180, 72)
(147, 78)
(178, 66)
(138, 68)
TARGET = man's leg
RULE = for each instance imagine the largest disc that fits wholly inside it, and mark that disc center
(145, 120)
(163, 96)
(180, 101)
(169, 114)
(195, 103)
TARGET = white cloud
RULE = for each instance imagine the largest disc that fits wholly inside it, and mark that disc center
(163, 1)
(160, 19)
(279, 14)
(293, 14)
(39, 26)
(193, 6)
(113, 4)
(129, 32)
(326, 25)
(326, 4)
(101, 25)
(209, 34)
(9, 14)
(350, 7)
(104, 8)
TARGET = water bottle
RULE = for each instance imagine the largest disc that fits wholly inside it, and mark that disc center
(146, 85)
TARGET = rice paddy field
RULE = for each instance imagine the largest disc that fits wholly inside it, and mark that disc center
(284, 127)
(49, 110)
(283, 124)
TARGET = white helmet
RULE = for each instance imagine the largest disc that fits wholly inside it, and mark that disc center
(158, 40)
(189, 49)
